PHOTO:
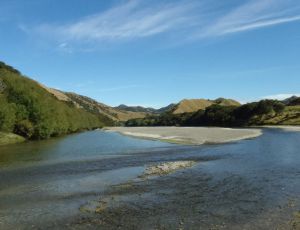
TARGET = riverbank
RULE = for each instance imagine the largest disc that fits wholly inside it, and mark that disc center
(10, 138)
(189, 135)
(284, 127)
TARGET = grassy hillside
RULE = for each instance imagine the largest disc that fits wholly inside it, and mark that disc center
(95, 107)
(138, 109)
(191, 105)
(99, 108)
(10, 138)
(290, 116)
(194, 105)
(184, 106)
(145, 110)
(226, 102)
(265, 112)
(31, 111)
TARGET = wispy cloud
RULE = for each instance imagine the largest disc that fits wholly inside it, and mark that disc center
(253, 15)
(187, 19)
(281, 96)
(134, 19)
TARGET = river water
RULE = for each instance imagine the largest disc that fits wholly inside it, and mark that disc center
(250, 184)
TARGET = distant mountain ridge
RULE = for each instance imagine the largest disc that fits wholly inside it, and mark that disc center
(148, 110)
(136, 108)
(184, 106)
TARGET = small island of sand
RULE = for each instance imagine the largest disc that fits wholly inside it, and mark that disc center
(189, 135)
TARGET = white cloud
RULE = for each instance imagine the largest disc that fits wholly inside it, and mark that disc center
(260, 24)
(187, 19)
(254, 14)
(281, 96)
(134, 19)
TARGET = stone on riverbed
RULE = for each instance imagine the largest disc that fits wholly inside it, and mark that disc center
(166, 168)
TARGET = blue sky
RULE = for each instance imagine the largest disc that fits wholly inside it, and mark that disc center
(152, 53)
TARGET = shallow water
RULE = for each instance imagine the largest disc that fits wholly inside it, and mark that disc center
(43, 184)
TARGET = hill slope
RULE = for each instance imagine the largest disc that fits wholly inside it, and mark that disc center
(227, 114)
(184, 106)
(99, 108)
(193, 105)
(146, 110)
(94, 106)
(31, 111)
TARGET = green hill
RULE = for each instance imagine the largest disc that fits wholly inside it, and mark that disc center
(145, 110)
(95, 107)
(116, 114)
(29, 110)
(227, 113)
(193, 105)
(139, 109)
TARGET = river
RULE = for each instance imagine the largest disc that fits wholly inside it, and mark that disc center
(53, 184)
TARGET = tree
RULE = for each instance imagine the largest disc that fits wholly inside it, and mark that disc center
(24, 128)
(7, 116)
(278, 107)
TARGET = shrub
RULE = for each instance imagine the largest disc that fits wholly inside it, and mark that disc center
(24, 128)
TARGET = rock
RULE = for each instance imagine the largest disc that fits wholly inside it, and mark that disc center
(167, 168)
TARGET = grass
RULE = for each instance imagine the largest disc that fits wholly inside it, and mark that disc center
(10, 138)
(295, 223)
(290, 116)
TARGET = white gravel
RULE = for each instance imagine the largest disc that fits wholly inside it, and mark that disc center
(189, 135)
(167, 168)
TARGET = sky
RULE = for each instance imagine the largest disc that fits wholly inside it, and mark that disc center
(153, 53)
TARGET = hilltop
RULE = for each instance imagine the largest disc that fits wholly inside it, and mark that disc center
(139, 109)
(146, 110)
(193, 105)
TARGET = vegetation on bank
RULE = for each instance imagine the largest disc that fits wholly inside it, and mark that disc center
(10, 138)
(28, 110)
(265, 112)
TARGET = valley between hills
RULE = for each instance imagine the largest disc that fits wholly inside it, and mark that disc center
(30, 110)
(175, 155)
